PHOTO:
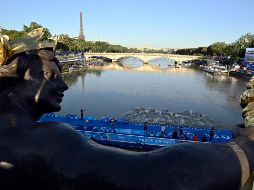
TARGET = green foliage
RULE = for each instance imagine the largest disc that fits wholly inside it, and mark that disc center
(236, 49)
(12, 33)
(69, 44)
(26, 29)
(34, 25)
(188, 51)
(134, 50)
(242, 43)
(219, 48)
(66, 43)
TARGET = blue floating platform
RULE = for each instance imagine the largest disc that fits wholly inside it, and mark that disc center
(123, 133)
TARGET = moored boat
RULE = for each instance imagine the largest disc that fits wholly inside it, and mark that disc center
(215, 69)
(246, 69)
(241, 74)
(208, 69)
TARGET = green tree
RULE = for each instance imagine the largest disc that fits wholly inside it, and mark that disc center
(242, 43)
(34, 25)
(12, 33)
(219, 48)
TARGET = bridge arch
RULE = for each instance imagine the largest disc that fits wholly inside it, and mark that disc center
(160, 58)
(130, 61)
(144, 59)
(163, 61)
(144, 56)
(126, 57)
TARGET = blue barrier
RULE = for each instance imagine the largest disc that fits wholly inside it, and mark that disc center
(122, 132)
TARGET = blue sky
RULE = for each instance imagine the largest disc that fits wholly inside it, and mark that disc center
(137, 23)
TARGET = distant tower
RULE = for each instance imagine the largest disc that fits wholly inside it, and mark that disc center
(81, 32)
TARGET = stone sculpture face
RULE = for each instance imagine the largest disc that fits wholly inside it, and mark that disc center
(52, 87)
(44, 85)
(39, 86)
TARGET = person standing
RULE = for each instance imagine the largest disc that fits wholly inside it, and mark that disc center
(204, 139)
(212, 133)
(82, 113)
(145, 128)
(181, 130)
(163, 131)
(174, 134)
(195, 137)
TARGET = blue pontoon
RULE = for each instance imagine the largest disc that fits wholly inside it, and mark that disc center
(122, 133)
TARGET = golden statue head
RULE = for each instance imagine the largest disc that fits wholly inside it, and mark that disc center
(4, 48)
(30, 41)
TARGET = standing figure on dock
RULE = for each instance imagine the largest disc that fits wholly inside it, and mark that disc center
(145, 128)
(174, 134)
(181, 130)
(212, 133)
(112, 121)
(181, 135)
(163, 131)
(82, 113)
(204, 139)
(195, 137)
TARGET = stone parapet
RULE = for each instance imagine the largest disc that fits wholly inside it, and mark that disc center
(247, 103)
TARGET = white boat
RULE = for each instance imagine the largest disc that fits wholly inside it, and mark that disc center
(219, 69)
(77, 67)
(215, 69)
(208, 69)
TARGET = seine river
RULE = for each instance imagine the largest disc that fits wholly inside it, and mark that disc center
(115, 91)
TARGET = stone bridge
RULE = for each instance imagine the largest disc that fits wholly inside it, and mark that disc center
(143, 56)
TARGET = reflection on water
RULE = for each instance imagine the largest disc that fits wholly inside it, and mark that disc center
(114, 91)
(161, 63)
(141, 68)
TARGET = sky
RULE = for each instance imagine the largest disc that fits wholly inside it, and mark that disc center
(137, 23)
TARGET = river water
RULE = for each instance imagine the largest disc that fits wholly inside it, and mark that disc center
(165, 95)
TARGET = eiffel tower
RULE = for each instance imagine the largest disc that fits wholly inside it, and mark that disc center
(81, 32)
